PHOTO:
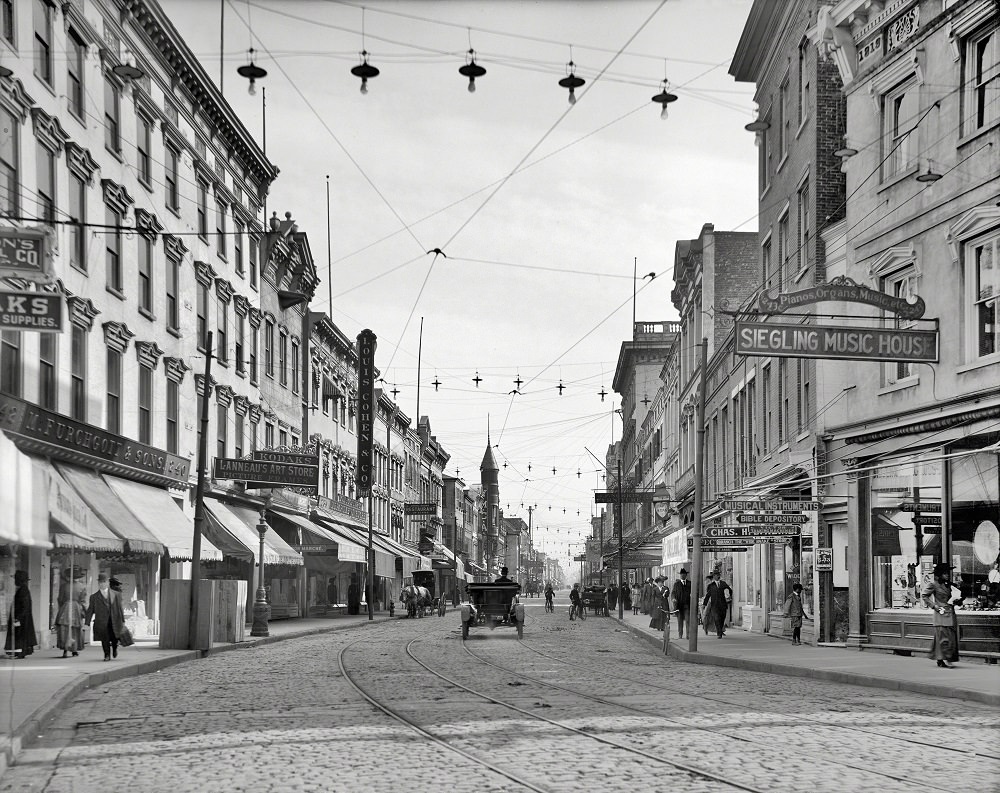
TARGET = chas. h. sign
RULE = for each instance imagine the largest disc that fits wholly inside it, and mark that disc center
(366, 410)
(783, 340)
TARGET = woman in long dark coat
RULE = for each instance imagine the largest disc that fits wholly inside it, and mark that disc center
(936, 595)
(21, 625)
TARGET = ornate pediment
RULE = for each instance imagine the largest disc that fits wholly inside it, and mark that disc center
(49, 131)
(117, 335)
(175, 369)
(204, 273)
(224, 395)
(148, 353)
(174, 247)
(241, 305)
(80, 162)
(224, 290)
(199, 384)
(254, 315)
(241, 404)
(82, 311)
(116, 196)
(147, 224)
(254, 411)
(14, 98)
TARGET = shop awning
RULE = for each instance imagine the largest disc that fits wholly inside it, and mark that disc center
(447, 560)
(110, 509)
(73, 524)
(24, 519)
(158, 512)
(321, 538)
(234, 531)
(385, 555)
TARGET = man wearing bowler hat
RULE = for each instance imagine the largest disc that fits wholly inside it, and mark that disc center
(109, 617)
(680, 596)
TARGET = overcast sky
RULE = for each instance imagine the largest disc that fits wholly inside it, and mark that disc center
(542, 208)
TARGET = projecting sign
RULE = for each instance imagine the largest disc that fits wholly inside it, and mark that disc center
(722, 541)
(24, 253)
(40, 311)
(611, 497)
(582, 557)
(772, 518)
(845, 290)
(420, 509)
(290, 458)
(366, 410)
(782, 340)
(265, 474)
(824, 560)
(750, 531)
(714, 547)
(750, 506)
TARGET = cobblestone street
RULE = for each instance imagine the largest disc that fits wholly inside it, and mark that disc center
(584, 706)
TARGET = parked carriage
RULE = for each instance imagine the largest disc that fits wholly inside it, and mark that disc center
(595, 598)
(493, 606)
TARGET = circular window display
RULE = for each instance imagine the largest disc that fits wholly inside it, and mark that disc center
(986, 542)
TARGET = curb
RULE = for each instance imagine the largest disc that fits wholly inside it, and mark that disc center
(36, 721)
(791, 670)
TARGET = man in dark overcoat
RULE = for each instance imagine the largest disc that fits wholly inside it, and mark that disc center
(680, 595)
(717, 598)
(105, 608)
(20, 641)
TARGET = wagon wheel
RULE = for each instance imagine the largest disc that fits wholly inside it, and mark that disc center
(465, 630)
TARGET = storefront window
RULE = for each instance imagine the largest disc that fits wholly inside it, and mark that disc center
(906, 525)
(975, 529)
(783, 567)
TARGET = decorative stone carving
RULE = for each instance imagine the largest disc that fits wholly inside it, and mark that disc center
(82, 311)
(174, 247)
(116, 196)
(175, 369)
(14, 98)
(204, 273)
(254, 411)
(147, 224)
(241, 405)
(254, 316)
(49, 131)
(241, 305)
(148, 353)
(80, 162)
(224, 290)
(199, 384)
(117, 335)
(224, 395)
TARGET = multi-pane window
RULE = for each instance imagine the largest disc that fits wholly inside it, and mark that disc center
(172, 284)
(46, 189)
(143, 146)
(238, 437)
(238, 229)
(782, 401)
(10, 363)
(172, 410)
(113, 405)
(765, 412)
(803, 80)
(78, 375)
(113, 249)
(112, 116)
(269, 348)
(765, 143)
(784, 119)
(145, 267)
(254, 427)
(800, 368)
(985, 273)
(7, 20)
(222, 430)
(47, 384)
(252, 260)
(295, 366)
(145, 404)
(76, 50)
(766, 263)
(241, 332)
(43, 40)
(222, 341)
(9, 173)
(203, 209)
(982, 71)
(803, 215)
(781, 265)
(268, 435)
(903, 284)
(283, 358)
(77, 207)
(254, 344)
(899, 123)
(220, 228)
(282, 438)
(171, 176)
(202, 314)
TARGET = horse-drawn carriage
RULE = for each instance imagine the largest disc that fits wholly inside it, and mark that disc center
(596, 599)
(416, 599)
(493, 606)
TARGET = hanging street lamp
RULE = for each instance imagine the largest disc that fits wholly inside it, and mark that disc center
(472, 70)
(664, 98)
(572, 82)
(253, 73)
(365, 71)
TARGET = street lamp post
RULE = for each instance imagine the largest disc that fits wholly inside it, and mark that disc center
(261, 609)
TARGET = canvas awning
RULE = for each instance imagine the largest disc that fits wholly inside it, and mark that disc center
(72, 523)
(385, 555)
(315, 538)
(99, 496)
(234, 531)
(24, 519)
(445, 559)
(158, 512)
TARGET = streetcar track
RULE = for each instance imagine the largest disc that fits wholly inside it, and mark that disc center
(849, 727)
(424, 733)
(693, 770)
(685, 724)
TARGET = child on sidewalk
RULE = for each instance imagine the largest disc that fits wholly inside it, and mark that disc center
(795, 611)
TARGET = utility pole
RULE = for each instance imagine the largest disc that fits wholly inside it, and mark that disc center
(621, 528)
(600, 545)
(699, 475)
(199, 498)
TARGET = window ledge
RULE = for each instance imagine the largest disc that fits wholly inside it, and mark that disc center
(147, 314)
(175, 211)
(899, 385)
(116, 154)
(175, 332)
(979, 363)
(766, 190)
(79, 269)
(895, 179)
(115, 292)
(77, 116)
(803, 435)
(241, 274)
(965, 140)
(781, 162)
(241, 373)
(802, 125)
(146, 183)
(800, 273)
(222, 362)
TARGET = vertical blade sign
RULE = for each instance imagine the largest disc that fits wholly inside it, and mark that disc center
(366, 410)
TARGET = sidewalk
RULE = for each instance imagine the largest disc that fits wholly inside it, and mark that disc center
(971, 679)
(33, 689)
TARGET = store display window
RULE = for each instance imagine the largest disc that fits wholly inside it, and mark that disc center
(975, 529)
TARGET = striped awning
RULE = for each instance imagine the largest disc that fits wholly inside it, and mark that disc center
(234, 531)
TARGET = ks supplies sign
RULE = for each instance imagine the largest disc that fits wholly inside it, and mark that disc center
(782, 340)
(366, 410)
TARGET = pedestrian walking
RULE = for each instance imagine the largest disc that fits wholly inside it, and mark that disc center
(612, 597)
(69, 624)
(636, 598)
(939, 595)
(647, 596)
(718, 596)
(795, 611)
(680, 596)
(105, 608)
(21, 639)
(626, 598)
(659, 604)
(353, 596)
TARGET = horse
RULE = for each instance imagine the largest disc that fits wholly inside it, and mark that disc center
(416, 598)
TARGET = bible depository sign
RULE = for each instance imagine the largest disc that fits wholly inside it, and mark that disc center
(782, 340)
